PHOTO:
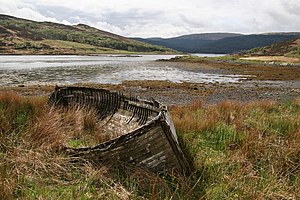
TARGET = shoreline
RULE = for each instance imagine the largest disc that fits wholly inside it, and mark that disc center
(263, 82)
(257, 70)
(171, 94)
(91, 54)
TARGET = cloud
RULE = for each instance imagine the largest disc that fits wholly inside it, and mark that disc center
(292, 7)
(25, 10)
(157, 18)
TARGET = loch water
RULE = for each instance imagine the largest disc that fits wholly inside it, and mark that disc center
(105, 69)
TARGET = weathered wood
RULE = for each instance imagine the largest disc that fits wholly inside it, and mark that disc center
(147, 137)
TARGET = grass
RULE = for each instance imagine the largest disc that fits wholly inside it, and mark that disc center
(237, 59)
(295, 53)
(238, 151)
(192, 58)
(61, 47)
(48, 46)
(231, 59)
(244, 151)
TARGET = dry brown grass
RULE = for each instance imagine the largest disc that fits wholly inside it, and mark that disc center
(238, 150)
(32, 165)
(244, 150)
(61, 127)
(198, 118)
(29, 158)
(15, 108)
(273, 58)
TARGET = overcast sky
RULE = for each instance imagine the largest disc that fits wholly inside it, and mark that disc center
(164, 18)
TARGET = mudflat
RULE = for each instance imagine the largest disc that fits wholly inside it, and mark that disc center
(259, 81)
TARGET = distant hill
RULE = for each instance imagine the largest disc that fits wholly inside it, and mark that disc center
(20, 36)
(290, 48)
(219, 42)
(188, 43)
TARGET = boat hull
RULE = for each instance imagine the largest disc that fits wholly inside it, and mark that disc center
(148, 138)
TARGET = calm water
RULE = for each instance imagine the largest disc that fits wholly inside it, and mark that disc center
(208, 55)
(32, 70)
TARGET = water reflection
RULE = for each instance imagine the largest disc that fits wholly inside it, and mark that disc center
(112, 69)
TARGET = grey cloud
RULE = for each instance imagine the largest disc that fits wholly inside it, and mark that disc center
(193, 23)
(165, 18)
(63, 13)
(292, 7)
(132, 16)
(282, 20)
(121, 20)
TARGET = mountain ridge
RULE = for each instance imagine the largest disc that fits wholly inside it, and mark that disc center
(226, 43)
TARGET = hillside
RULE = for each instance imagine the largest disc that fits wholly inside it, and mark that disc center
(188, 43)
(290, 48)
(20, 36)
(220, 42)
(245, 42)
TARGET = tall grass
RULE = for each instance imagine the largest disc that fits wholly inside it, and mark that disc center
(33, 165)
(243, 150)
(238, 151)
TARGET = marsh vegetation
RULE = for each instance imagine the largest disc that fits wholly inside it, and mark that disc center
(238, 150)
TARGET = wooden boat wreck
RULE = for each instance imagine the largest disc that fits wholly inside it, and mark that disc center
(147, 135)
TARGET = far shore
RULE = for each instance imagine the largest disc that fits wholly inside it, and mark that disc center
(133, 54)
(273, 59)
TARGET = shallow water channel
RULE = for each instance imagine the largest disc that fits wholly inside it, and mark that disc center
(112, 69)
